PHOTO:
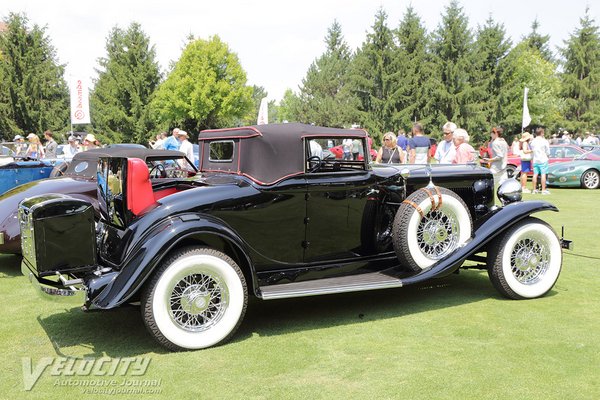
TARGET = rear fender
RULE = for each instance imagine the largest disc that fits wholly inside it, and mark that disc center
(493, 225)
(149, 250)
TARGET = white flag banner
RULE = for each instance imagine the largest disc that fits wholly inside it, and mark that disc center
(80, 102)
(526, 116)
(263, 112)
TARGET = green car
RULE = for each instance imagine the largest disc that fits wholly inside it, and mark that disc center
(583, 171)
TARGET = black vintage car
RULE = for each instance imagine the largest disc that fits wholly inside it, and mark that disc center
(274, 215)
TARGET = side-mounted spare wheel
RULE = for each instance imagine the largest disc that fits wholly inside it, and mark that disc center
(525, 261)
(430, 224)
(196, 299)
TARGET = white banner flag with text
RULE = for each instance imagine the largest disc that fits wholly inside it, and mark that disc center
(80, 102)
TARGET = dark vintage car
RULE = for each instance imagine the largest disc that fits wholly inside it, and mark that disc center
(78, 180)
(269, 219)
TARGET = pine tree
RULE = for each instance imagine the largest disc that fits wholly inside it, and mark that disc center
(581, 77)
(127, 79)
(372, 80)
(324, 99)
(413, 70)
(491, 47)
(458, 91)
(540, 42)
(33, 93)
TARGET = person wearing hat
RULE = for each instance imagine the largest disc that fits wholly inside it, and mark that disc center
(72, 148)
(90, 142)
(525, 155)
(35, 149)
(185, 147)
(20, 146)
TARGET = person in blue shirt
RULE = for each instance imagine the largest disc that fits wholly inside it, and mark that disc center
(171, 143)
(402, 140)
(418, 146)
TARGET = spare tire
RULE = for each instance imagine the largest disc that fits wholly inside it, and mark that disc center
(430, 224)
(59, 170)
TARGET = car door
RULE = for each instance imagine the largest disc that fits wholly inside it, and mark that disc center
(336, 200)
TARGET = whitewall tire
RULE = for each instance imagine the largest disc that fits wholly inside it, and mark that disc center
(429, 225)
(196, 299)
(524, 263)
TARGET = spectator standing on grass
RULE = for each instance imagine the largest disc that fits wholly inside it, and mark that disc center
(172, 142)
(464, 152)
(540, 150)
(499, 158)
(525, 155)
(402, 140)
(51, 145)
(390, 152)
(418, 146)
(72, 148)
(35, 149)
(446, 149)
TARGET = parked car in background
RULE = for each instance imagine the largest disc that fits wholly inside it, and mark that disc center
(558, 153)
(77, 181)
(583, 171)
(266, 217)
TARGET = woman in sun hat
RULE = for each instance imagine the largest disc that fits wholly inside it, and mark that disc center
(525, 155)
(90, 142)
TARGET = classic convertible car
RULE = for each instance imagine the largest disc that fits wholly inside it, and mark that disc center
(78, 180)
(266, 217)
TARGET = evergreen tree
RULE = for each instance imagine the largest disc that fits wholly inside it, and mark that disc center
(581, 77)
(33, 93)
(458, 92)
(491, 47)
(540, 42)
(289, 108)
(206, 88)
(413, 71)
(127, 79)
(324, 99)
(372, 80)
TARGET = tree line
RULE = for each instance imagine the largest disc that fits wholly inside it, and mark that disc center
(398, 76)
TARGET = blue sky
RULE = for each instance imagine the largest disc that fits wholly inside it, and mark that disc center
(276, 40)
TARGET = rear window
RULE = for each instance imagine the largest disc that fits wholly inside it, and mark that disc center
(221, 151)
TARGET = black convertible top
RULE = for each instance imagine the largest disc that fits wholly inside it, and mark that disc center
(267, 153)
(126, 151)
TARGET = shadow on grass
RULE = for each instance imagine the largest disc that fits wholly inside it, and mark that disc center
(122, 333)
(10, 265)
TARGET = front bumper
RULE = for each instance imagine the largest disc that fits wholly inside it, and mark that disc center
(62, 290)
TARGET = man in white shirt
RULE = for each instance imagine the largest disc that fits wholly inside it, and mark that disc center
(540, 149)
(185, 147)
(72, 149)
(446, 151)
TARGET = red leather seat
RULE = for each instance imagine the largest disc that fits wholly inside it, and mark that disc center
(139, 187)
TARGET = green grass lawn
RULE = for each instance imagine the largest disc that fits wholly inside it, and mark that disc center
(454, 339)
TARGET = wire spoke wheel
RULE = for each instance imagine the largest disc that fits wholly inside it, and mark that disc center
(430, 224)
(524, 261)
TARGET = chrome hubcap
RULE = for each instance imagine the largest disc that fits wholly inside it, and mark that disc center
(198, 302)
(529, 260)
(438, 233)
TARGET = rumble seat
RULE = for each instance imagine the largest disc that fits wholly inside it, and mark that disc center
(139, 187)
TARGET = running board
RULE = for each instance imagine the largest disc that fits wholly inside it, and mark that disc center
(344, 284)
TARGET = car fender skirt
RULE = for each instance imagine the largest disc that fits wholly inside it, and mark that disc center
(496, 222)
(148, 252)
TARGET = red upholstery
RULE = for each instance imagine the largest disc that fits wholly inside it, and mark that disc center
(139, 187)
(163, 193)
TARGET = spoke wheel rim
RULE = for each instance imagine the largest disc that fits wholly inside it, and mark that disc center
(438, 233)
(197, 301)
(530, 259)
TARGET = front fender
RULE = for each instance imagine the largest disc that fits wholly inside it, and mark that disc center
(151, 249)
(490, 227)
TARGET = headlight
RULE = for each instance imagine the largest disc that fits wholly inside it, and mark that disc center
(510, 191)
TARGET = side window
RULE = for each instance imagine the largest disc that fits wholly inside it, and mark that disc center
(335, 154)
(221, 151)
(569, 152)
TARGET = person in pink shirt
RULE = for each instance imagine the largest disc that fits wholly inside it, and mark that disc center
(465, 153)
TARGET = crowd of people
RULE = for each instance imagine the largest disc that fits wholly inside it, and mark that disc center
(34, 148)
(179, 140)
(454, 148)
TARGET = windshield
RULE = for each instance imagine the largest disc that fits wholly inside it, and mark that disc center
(590, 155)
